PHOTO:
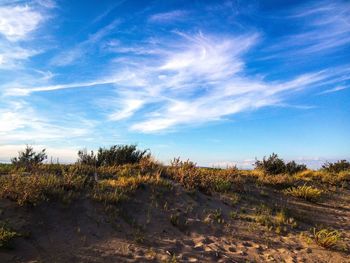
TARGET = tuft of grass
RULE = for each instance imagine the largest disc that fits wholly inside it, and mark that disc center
(6, 236)
(234, 215)
(305, 192)
(174, 219)
(279, 221)
(327, 238)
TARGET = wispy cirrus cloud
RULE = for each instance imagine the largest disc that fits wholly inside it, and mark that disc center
(324, 27)
(72, 55)
(189, 80)
(332, 90)
(168, 16)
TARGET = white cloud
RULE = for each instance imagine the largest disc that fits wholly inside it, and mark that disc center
(47, 3)
(10, 56)
(338, 88)
(128, 109)
(16, 22)
(168, 16)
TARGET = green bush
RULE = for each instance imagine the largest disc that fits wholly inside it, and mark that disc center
(339, 166)
(28, 159)
(115, 155)
(86, 158)
(274, 165)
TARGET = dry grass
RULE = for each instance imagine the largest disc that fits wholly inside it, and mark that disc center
(36, 188)
(305, 192)
(112, 191)
(327, 238)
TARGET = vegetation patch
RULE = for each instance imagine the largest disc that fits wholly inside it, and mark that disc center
(327, 238)
(305, 192)
(6, 236)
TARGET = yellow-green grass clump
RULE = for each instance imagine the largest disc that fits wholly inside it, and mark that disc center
(6, 236)
(305, 192)
(327, 238)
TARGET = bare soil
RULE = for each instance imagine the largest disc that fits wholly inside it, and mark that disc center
(173, 225)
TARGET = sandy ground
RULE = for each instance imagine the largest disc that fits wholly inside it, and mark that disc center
(173, 226)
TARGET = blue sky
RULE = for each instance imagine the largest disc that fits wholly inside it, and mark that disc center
(219, 82)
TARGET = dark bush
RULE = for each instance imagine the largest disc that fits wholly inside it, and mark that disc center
(28, 159)
(336, 167)
(120, 154)
(115, 155)
(271, 165)
(86, 158)
(275, 165)
(293, 168)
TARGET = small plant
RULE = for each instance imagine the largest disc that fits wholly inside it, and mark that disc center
(214, 216)
(327, 238)
(305, 192)
(6, 236)
(233, 215)
(235, 198)
(174, 219)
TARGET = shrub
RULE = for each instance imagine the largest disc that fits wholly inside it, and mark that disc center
(120, 154)
(28, 158)
(293, 168)
(275, 165)
(86, 158)
(327, 238)
(336, 167)
(305, 192)
(271, 165)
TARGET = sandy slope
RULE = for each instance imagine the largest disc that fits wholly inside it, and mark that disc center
(159, 225)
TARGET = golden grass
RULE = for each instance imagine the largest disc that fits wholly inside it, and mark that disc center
(113, 191)
(36, 188)
(305, 192)
(327, 238)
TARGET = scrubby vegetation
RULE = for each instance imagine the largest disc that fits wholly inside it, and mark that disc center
(337, 167)
(262, 199)
(275, 165)
(115, 155)
(29, 159)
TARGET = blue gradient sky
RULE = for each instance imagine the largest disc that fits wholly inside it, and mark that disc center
(219, 82)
